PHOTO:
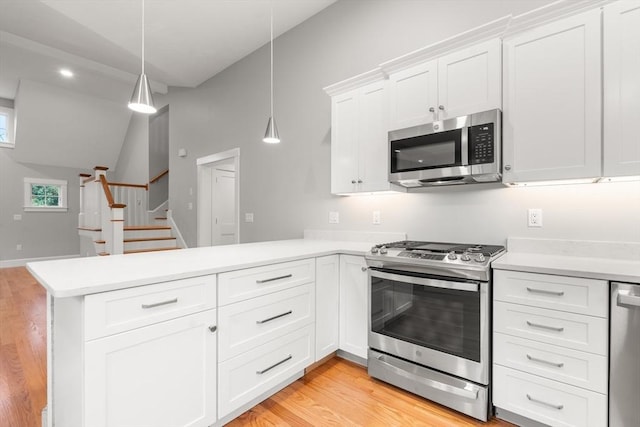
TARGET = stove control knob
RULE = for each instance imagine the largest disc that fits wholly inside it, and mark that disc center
(452, 256)
(374, 250)
(383, 250)
(480, 258)
(465, 257)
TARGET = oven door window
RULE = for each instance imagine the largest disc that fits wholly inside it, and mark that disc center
(444, 320)
(431, 151)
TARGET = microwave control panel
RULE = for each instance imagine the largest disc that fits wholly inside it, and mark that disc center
(481, 144)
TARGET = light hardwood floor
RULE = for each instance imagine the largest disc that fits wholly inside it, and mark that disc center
(337, 393)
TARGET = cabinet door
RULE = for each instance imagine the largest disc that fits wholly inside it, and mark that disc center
(344, 142)
(353, 305)
(373, 154)
(159, 375)
(552, 102)
(327, 305)
(470, 81)
(621, 88)
(413, 96)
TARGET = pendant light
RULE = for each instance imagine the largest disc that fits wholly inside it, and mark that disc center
(271, 135)
(141, 99)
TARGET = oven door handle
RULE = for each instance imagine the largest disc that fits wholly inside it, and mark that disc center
(433, 283)
(447, 388)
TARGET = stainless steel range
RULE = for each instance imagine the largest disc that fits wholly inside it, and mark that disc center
(429, 316)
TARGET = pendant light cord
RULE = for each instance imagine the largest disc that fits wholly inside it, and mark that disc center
(272, 59)
(142, 36)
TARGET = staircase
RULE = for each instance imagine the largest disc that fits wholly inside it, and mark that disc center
(108, 227)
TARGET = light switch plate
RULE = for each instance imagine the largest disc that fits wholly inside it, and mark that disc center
(376, 219)
(248, 217)
(334, 217)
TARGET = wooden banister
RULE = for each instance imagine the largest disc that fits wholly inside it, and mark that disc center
(107, 192)
(157, 177)
(122, 184)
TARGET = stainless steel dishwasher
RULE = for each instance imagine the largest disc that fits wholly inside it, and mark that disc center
(624, 360)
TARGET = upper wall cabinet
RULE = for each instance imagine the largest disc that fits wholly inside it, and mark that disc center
(621, 88)
(359, 120)
(552, 101)
(464, 82)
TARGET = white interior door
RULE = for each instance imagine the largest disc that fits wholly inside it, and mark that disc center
(218, 199)
(223, 227)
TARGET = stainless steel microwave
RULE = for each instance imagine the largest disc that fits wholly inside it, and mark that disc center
(461, 150)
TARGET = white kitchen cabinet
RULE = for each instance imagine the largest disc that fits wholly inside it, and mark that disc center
(163, 374)
(552, 101)
(463, 82)
(327, 305)
(359, 154)
(550, 347)
(621, 89)
(353, 305)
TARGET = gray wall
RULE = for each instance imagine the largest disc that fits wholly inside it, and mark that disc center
(41, 234)
(133, 162)
(287, 186)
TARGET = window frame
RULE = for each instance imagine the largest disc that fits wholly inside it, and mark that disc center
(62, 195)
(9, 113)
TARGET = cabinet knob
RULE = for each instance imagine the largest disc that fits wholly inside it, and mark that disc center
(364, 268)
(213, 328)
(441, 107)
(359, 181)
(432, 110)
(353, 181)
(507, 167)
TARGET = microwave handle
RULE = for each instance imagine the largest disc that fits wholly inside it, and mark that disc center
(464, 146)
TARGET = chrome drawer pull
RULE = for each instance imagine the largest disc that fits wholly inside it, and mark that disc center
(544, 291)
(158, 304)
(535, 359)
(545, 403)
(551, 328)
(213, 328)
(259, 322)
(274, 278)
(625, 298)
(289, 357)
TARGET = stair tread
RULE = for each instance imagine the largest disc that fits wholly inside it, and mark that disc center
(161, 217)
(135, 251)
(146, 227)
(103, 253)
(89, 229)
(148, 239)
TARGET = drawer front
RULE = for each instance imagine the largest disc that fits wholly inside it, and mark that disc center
(253, 373)
(240, 285)
(578, 368)
(547, 401)
(108, 313)
(584, 333)
(572, 294)
(245, 325)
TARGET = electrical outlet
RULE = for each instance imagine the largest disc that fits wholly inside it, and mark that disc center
(334, 217)
(18, 247)
(248, 217)
(376, 218)
(534, 217)
(17, 217)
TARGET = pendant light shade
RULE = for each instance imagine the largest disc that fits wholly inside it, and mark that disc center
(141, 99)
(271, 135)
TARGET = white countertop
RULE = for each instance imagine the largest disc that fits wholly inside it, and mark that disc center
(595, 260)
(83, 276)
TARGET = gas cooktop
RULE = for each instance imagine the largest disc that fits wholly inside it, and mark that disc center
(413, 255)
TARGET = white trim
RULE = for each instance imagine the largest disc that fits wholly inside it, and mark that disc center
(233, 153)
(355, 82)
(22, 262)
(7, 145)
(45, 208)
(10, 114)
(180, 240)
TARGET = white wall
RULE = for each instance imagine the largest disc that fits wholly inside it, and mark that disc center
(287, 186)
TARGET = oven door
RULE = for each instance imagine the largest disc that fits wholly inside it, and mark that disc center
(438, 323)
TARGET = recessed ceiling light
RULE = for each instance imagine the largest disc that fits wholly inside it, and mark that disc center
(66, 72)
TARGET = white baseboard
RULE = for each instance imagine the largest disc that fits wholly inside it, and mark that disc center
(22, 262)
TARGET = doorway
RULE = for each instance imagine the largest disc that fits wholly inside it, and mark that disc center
(219, 198)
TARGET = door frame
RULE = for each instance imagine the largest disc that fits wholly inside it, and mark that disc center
(207, 162)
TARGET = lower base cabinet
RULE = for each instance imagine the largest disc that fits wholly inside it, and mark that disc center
(159, 375)
(353, 305)
(255, 372)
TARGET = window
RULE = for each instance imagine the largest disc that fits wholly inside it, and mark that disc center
(45, 195)
(6, 127)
